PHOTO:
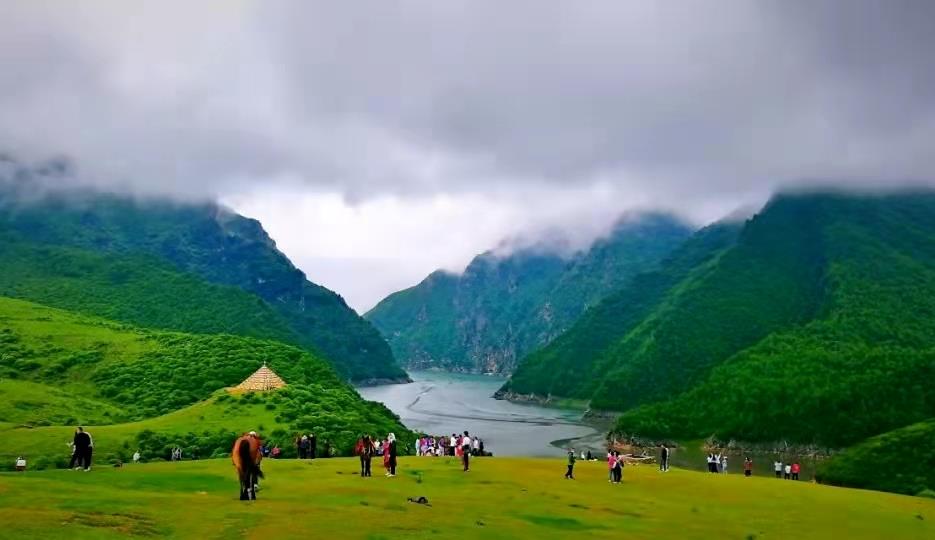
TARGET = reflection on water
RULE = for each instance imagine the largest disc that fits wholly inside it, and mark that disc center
(445, 403)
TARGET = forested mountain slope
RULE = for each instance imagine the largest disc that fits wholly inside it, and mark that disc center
(180, 266)
(816, 325)
(502, 307)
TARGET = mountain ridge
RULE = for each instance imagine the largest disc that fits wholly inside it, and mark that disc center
(503, 305)
(203, 241)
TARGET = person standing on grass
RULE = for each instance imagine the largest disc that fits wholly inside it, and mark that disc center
(618, 468)
(777, 466)
(570, 473)
(788, 471)
(663, 458)
(359, 450)
(368, 451)
(724, 464)
(748, 466)
(391, 453)
(74, 452)
(795, 470)
(313, 446)
(466, 447)
(611, 463)
(82, 444)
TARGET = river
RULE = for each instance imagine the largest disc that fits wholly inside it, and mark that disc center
(444, 403)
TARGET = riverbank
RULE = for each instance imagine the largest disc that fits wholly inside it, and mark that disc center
(499, 498)
(443, 403)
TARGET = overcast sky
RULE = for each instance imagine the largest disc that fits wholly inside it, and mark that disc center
(380, 140)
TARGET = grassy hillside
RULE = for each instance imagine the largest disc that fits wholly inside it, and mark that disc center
(504, 306)
(326, 498)
(572, 366)
(60, 368)
(816, 325)
(136, 289)
(102, 246)
(858, 368)
(901, 461)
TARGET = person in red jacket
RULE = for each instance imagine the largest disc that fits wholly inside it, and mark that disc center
(795, 470)
(748, 466)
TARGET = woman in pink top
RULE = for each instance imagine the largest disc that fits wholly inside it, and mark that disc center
(611, 463)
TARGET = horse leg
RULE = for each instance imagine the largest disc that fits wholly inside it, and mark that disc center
(244, 494)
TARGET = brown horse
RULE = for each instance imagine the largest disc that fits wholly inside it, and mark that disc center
(246, 456)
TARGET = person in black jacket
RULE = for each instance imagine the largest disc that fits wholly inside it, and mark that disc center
(392, 450)
(82, 444)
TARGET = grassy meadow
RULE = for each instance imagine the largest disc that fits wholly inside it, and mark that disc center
(499, 498)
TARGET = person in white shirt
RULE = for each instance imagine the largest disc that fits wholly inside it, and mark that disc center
(788, 471)
(777, 466)
(136, 456)
(466, 451)
(453, 443)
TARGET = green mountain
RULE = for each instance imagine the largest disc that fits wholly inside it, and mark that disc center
(814, 323)
(152, 389)
(901, 461)
(502, 307)
(177, 266)
(575, 364)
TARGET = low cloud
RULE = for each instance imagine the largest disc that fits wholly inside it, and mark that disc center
(521, 105)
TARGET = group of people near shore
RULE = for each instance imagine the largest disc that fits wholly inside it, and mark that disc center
(788, 471)
(717, 463)
(454, 446)
(615, 464)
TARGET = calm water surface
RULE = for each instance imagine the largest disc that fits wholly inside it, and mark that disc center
(445, 403)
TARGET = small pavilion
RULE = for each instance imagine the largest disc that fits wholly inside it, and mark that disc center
(262, 380)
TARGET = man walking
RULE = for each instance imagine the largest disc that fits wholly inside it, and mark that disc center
(570, 474)
(663, 458)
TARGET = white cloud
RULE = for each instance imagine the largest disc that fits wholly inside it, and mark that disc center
(450, 125)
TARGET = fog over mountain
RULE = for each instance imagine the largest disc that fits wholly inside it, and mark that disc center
(378, 141)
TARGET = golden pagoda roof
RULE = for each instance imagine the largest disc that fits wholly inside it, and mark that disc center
(262, 380)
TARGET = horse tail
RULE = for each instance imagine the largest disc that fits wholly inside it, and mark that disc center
(247, 459)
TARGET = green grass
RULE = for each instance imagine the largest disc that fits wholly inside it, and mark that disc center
(143, 388)
(499, 498)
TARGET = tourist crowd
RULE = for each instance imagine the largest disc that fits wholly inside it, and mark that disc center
(454, 446)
